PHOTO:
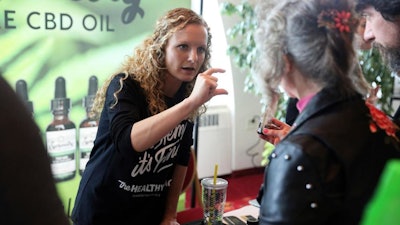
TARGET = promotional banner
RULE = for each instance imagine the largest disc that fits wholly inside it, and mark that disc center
(57, 54)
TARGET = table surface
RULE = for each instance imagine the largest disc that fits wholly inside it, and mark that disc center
(241, 213)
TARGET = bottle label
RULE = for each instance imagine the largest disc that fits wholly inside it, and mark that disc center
(86, 140)
(61, 142)
(61, 146)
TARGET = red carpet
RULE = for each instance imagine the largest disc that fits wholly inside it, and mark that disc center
(241, 189)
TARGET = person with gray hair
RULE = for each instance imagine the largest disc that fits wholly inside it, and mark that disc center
(327, 166)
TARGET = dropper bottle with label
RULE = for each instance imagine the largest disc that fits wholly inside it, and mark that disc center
(88, 127)
(61, 135)
(22, 91)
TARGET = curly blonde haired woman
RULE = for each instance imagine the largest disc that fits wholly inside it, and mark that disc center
(140, 155)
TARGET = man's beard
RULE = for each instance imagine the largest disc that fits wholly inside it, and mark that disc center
(391, 57)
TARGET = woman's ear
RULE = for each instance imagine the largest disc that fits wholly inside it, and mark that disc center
(288, 64)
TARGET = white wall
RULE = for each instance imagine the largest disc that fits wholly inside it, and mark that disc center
(245, 108)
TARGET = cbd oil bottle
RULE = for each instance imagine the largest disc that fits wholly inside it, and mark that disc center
(88, 127)
(21, 88)
(61, 135)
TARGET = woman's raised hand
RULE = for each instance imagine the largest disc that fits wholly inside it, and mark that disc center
(206, 86)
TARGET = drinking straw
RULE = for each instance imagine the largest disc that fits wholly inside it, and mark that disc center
(215, 174)
(213, 192)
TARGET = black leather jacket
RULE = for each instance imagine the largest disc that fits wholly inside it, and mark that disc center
(326, 169)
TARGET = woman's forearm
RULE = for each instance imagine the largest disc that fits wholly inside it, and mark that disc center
(174, 192)
(149, 131)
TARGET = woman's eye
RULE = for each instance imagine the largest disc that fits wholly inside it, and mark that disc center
(182, 47)
(201, 50)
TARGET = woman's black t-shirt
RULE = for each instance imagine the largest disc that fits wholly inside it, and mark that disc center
(122, 186)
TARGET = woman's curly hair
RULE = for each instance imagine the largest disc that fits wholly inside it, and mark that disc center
(147, 64)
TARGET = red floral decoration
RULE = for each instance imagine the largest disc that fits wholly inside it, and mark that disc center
(342, 21)
(334, 19)
(381, 120)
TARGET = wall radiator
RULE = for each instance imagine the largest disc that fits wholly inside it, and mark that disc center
(214, 143)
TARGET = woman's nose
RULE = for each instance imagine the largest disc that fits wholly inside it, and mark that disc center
(193, 55)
